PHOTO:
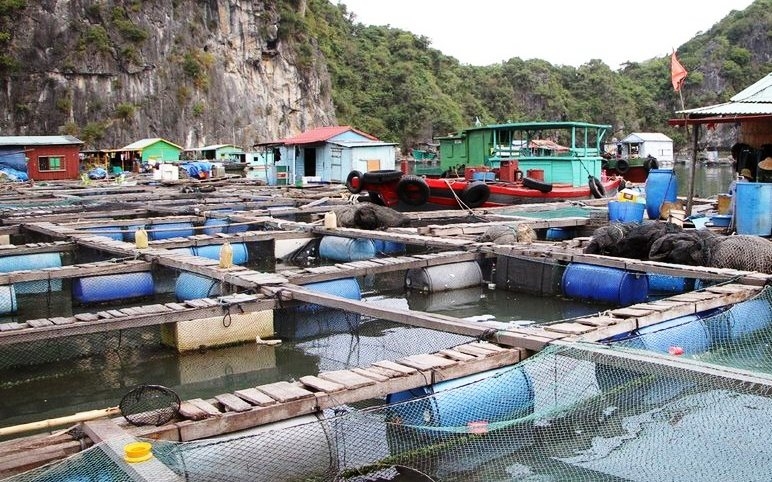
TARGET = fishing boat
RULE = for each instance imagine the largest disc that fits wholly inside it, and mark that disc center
(637, 154)
(499, 165)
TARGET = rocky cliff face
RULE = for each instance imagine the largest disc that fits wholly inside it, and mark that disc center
(195, 72)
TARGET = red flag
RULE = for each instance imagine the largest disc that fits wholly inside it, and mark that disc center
(677, 72)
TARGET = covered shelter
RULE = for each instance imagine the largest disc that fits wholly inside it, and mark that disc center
(328, 154)
(751, 109)
(146, 151)
(42, 158)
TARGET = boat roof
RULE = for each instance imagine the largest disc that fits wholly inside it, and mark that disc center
(522, 126)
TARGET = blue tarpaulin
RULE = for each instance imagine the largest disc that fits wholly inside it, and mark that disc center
(198, 170)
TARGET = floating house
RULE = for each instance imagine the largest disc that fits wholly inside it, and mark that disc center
(216, 153)
(328, 154)
(41, 158)
(147, 151)
(643, 144)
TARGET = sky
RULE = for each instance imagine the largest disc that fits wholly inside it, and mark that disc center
(562, 32)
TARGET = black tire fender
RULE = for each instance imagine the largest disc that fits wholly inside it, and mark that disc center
(475, 194)
(596, 187)
(650, 163)
(538, 185)
(354, 182)
(381, 177)
(622, 166)
(413, 191)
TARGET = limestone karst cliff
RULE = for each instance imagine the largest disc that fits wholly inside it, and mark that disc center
(195, 72)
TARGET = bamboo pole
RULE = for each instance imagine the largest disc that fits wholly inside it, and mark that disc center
(690, 199)
(59, 421)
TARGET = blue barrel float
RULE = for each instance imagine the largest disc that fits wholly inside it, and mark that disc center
(343, 288)
(741, 319)
(688, 332)
(753, 208)
(192, 286)
(389, 247)
(626, 212)
(661, 187)
(169, 230)
(112, 232)
(601, 283)
(311, 320)
(338, 248)
(33, 262)
(559, 234)
(666, 285)
(95, 289)
(212, 251)
(488, 397)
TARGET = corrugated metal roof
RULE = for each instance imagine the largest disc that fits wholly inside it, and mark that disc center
(754, 100)
(38, 140)
(143, 143)
(353, 144)
(646, 136)
(322, 134)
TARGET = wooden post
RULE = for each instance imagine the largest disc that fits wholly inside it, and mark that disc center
(690, 199)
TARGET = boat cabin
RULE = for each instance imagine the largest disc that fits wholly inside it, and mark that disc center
(553, 152)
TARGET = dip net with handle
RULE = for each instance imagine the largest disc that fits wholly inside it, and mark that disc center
(659, 404)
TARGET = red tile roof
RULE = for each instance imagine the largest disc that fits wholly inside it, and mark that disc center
(322, 134)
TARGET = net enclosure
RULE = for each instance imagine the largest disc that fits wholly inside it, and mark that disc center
(625, 409)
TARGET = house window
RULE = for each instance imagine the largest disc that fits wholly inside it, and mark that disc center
(50, 163)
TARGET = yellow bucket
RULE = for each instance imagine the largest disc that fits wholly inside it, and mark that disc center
(135, 452)
(724, 203)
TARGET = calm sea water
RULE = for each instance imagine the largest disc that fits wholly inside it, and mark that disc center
(127, 360)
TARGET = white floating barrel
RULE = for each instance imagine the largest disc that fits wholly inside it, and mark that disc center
(338, 248)
(227, 329)
(33, 262)
(191, 286)
(444, 277)
(94, 289)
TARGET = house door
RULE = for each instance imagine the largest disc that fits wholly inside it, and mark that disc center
(336, 165)
(309, 162)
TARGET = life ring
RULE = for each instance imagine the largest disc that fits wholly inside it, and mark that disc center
(538, 185)
(475, 194)
(596, 187)
(381, 177)
(354, 182)
(622, 166)
(413, 191)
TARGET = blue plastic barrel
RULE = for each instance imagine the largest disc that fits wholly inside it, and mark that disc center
(625, 212)
(741, 319)
(191, 286)
(753, 208)
(212, 251)
(601, 283)
(343, 288)
(170, 230)
(93, 289)
(492, 396)
(688, 332)
(661, 186)
(559, 234)
(7, 300)
(339, 248)
(112, 232)
(33, 262)
(662, 284)
(191, 251)
(389, 247)
(214, 226)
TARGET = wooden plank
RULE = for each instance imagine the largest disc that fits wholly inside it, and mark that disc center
(61, 320)
(370, 373)
(427, 361)
(86, 317)
(12, 326)
(347, 378)
(597, 321)
(39, 323)
(255, 397)
(192, 412)
(394, 367)
(205, 406)
(321, 384)
(473, 350)
(284, 391)
(569, 328)
(232, 403)
(489, 346)
(457, 355)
